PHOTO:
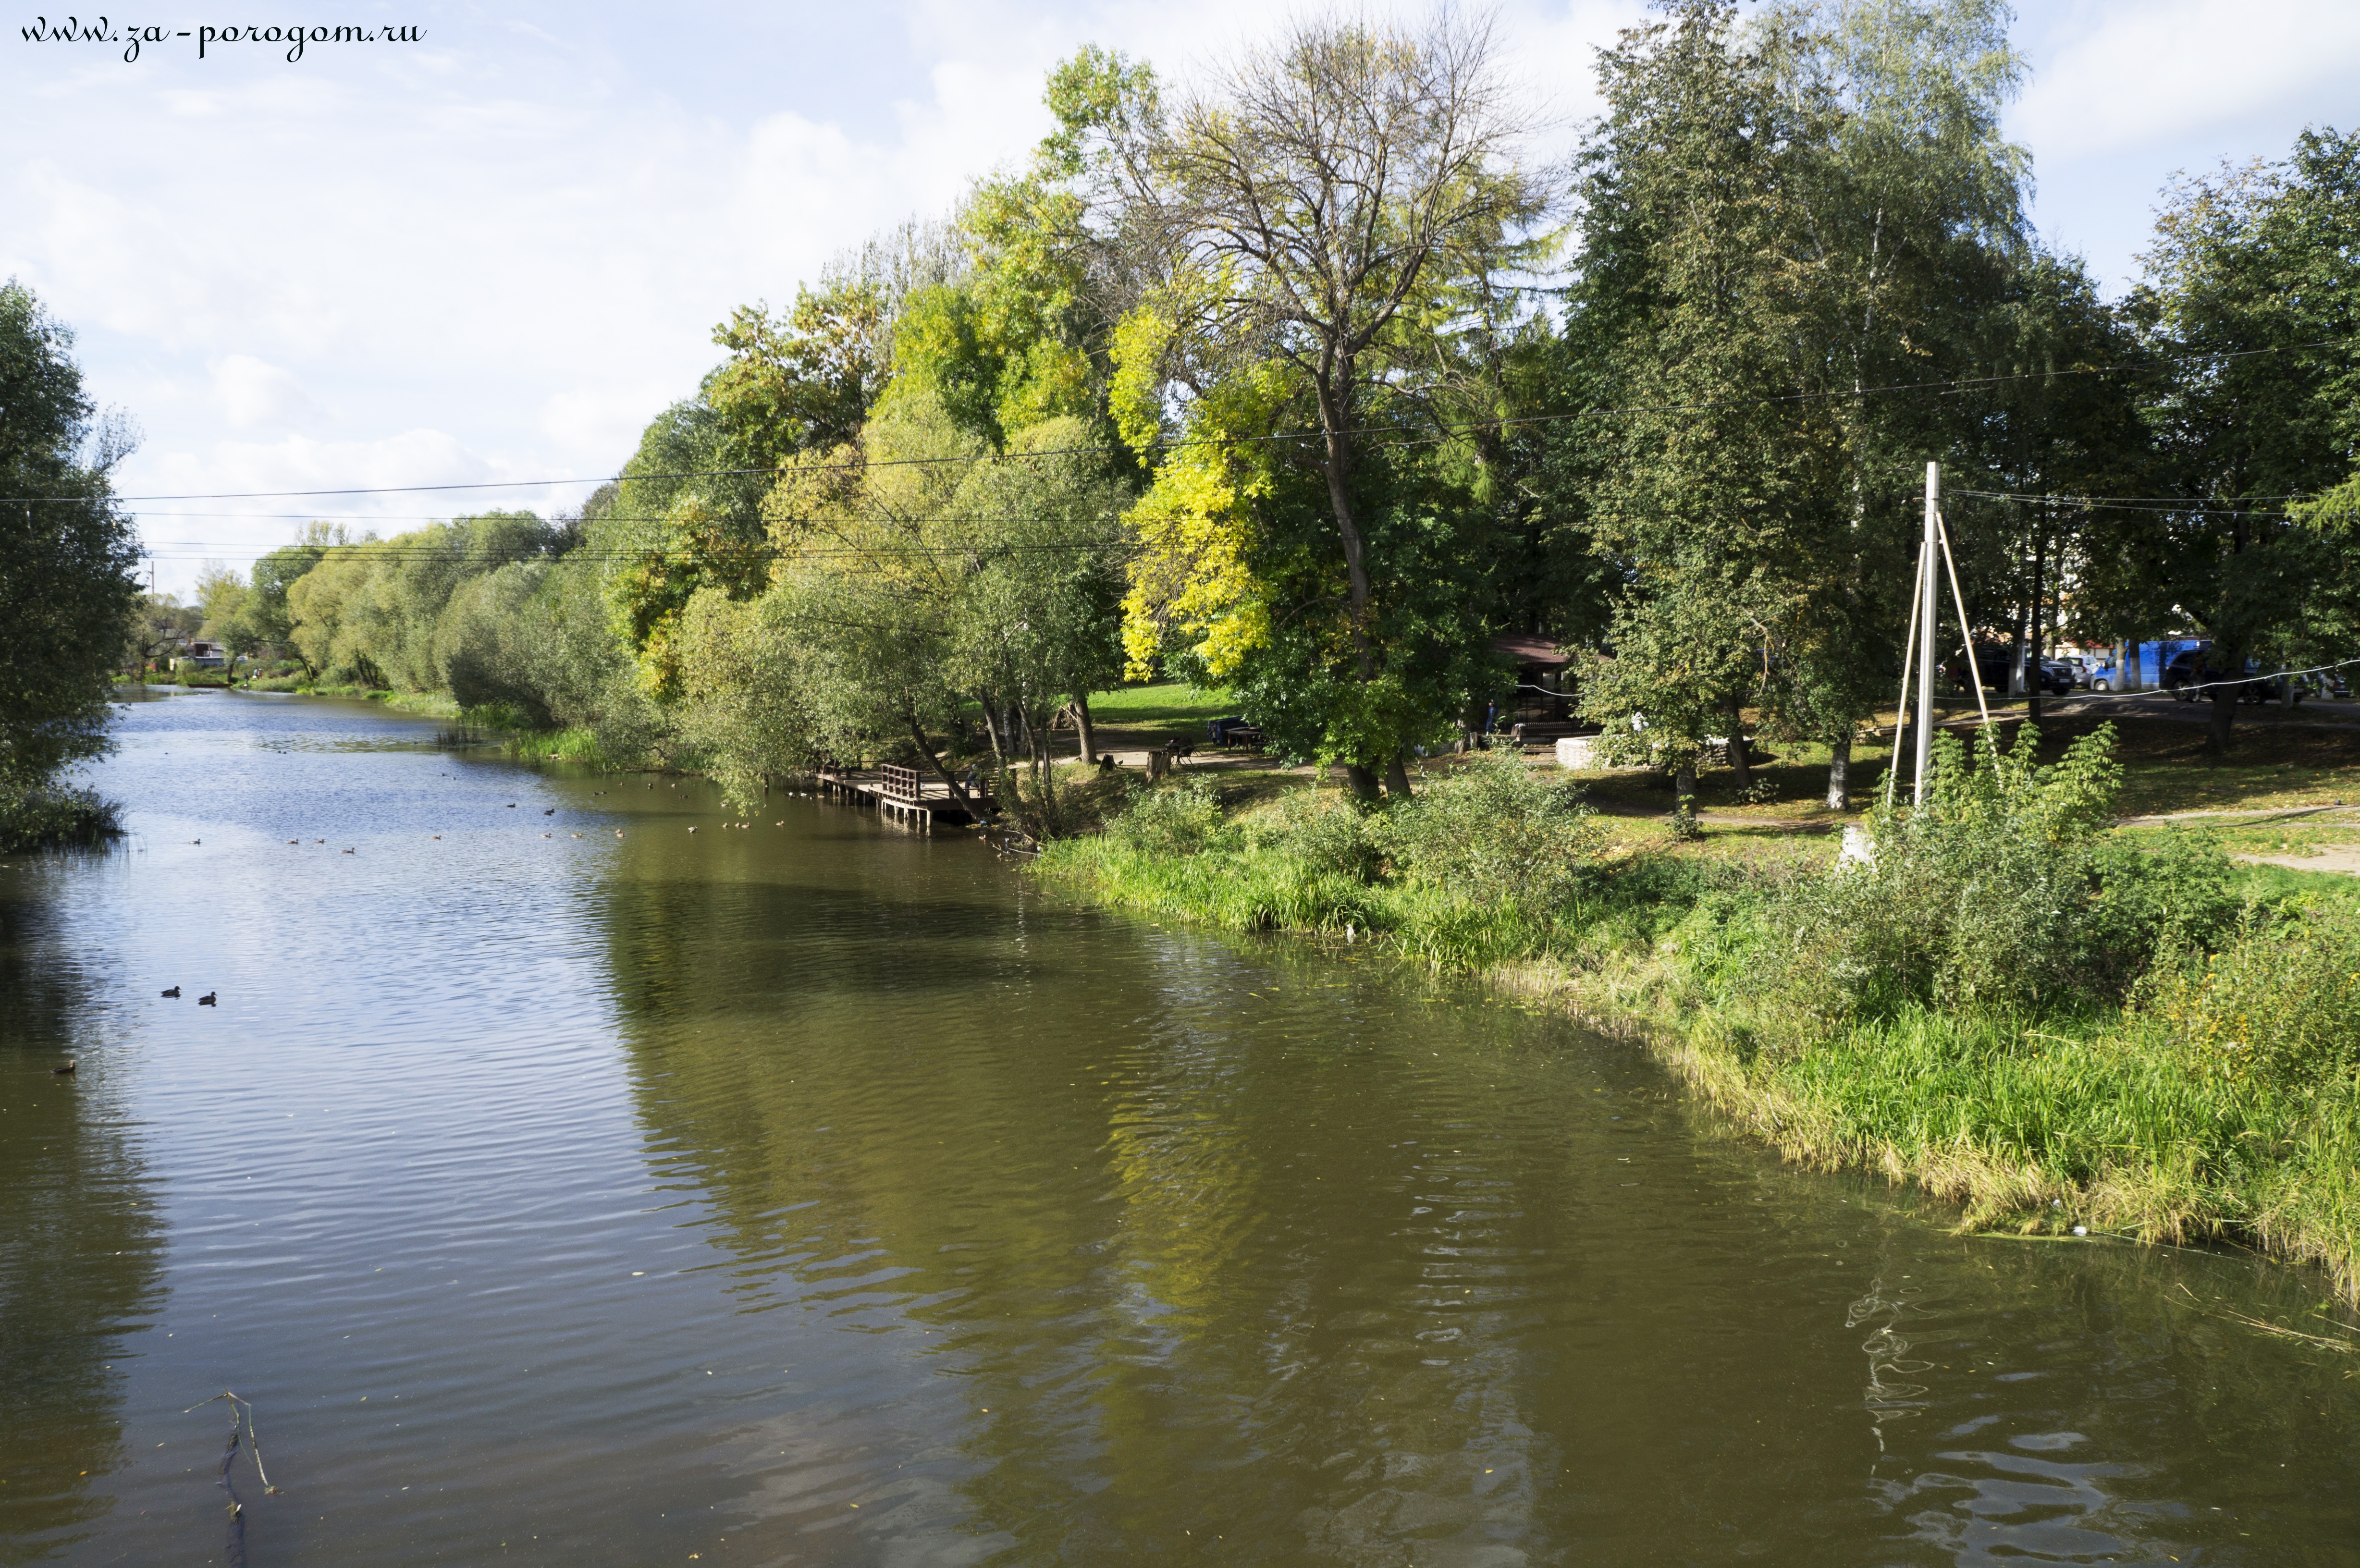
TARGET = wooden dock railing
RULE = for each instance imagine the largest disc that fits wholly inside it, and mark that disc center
(901, 783)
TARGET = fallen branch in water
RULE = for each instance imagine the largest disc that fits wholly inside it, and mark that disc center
(237, 1407)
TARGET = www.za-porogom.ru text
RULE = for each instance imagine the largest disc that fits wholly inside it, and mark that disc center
(294, 39)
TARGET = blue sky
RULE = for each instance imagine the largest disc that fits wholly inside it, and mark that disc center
(495, 254)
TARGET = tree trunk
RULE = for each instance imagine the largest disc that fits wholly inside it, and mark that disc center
(1339, 466)
(1839, 776)
(926, 749)
(1362, 783)
(2035, 679)
(1396, 779)
(1683, 782)
(1741, 759)
(2224, 718)
(1082, 726)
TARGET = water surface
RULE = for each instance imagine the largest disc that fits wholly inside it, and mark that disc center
(562, 1186)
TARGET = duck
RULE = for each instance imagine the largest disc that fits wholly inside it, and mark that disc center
(62, 1072)
(294, 841)
(348, 852)
(691, 830)
(173, 992)
(207, 999)
(550, 812)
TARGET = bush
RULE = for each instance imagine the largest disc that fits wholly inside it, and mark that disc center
(1325, 832)
(47, 815)
(1182, 820)
(2277, 1006)
(1494, 829)
(1999, 892)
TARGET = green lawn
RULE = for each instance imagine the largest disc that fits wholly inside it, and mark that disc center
(1145, 715)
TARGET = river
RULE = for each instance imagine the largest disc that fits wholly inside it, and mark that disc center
(563, 1186)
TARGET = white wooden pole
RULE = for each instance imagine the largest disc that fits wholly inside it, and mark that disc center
(1908, 668)
(1925, 736)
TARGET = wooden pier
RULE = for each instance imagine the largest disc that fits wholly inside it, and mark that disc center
(918, 801)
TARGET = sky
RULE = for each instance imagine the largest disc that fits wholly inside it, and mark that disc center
(491, 255)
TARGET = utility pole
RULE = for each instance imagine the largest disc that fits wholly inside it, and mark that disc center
(2033, 673)
(1926, 634)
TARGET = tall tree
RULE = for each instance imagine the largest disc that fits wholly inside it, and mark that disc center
(1321, 203)
(2251, 298)
(1717, 494)
(67, 551)
(1913, 209)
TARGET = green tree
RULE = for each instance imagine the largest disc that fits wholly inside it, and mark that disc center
(224, 595)
(67, 553)
(264, 611)
(685, 517)
(157, 623)
(1717, 493)
(1335, 196)
(2251, 298)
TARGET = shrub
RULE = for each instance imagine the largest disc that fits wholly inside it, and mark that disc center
(2276, 1006)
(1325, 832)
(1999, 891)
(48, 815)
(1494, 829)
(1182, 820)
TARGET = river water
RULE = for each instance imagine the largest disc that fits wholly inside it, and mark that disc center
(562, 1186)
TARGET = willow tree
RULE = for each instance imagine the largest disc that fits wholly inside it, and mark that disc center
(1319, 204)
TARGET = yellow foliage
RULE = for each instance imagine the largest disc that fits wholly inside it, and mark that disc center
(1197, 530)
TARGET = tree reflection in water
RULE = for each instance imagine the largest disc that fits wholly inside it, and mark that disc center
(81, 1251)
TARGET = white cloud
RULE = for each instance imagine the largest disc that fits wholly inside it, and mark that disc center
(252, 392)
(2121, 76)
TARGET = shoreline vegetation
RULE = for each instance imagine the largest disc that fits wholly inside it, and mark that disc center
(2064, 1028)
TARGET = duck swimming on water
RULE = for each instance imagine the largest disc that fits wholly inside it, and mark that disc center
(173, 992)
(207, 999)
(61, 1071)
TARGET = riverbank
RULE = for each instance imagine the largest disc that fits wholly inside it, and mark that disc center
(2171, 1062)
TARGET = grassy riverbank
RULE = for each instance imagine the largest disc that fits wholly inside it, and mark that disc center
(2053, 1022)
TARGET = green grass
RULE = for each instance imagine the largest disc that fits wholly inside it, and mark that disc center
(1164, 703)
(575, 743)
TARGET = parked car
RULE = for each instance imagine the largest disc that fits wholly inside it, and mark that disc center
(1996, 664)
(2190, 670)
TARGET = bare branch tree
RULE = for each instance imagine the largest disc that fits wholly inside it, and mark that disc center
(1333, 181)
